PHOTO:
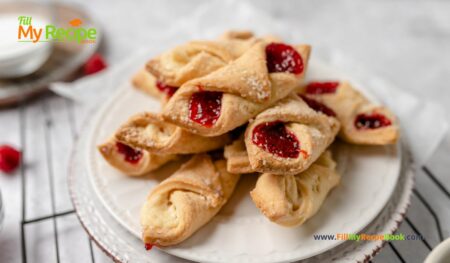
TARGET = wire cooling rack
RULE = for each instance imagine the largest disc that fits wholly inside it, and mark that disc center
(54, 216)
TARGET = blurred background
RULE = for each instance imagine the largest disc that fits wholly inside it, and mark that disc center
(405, 42)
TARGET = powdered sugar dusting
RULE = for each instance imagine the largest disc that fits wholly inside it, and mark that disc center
(257, 86)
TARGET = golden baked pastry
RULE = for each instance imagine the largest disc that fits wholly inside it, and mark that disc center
(362, 122)
(196, 59)
(246, 35)
(237, 157)
(146, 82)
(237, 34)
(132, 161)
(288, 137)
(228, 97)
(290, 200)
(150, 132)
(189, 61)
(186, 201)
(247, 85)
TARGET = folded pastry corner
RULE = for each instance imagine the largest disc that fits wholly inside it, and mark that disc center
(195, 59)
(246, 35)
(132, 161)
(288, 137)
(150, 132)
(228, 97)
(362, 122)
(237, 157)
(146, 82)
(186, 201)
(290, 200)
(237, 34)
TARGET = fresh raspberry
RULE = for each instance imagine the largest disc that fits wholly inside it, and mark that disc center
(9, 159)
(95, 64)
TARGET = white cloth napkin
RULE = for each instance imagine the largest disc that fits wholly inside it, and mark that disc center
(423, 122)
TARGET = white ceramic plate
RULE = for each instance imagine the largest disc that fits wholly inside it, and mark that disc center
(240, 232)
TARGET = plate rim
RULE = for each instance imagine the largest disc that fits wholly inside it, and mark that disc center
(400, 209)
(126, 85)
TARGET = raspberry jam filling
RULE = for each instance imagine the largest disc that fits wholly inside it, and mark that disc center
(371, 121)
(317, 106)
(322, 87)
(283, 58)
(274, 138)
(168, 90)
(148, 246)
(131, 155)
(205, 106)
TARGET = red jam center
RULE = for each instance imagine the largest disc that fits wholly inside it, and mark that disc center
(148, 246)
(317, 106)
(205, 106)
(131, 155)
(169, 90)
(276, 139)
(283, 58)
(322, 87)
(371, 121)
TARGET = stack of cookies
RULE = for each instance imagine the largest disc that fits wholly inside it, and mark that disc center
(240, 105)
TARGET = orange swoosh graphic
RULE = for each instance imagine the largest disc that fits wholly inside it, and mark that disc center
(76, 22)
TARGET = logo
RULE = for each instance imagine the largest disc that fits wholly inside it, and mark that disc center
(367, 237)
(74, 32)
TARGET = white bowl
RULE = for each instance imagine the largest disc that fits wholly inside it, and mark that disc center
(19, 59)
(440, 254)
